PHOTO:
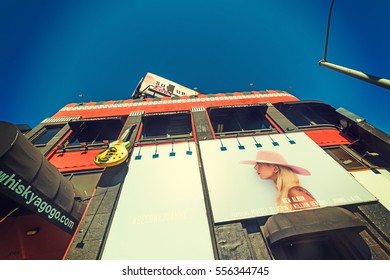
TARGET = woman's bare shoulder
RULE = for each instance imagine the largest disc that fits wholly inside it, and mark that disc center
(299, 191)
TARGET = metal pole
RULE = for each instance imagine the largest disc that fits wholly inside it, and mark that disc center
(382, 82)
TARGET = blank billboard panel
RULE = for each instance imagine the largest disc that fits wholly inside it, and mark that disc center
(161, 212)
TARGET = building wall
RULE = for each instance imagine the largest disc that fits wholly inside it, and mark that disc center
(208, 204)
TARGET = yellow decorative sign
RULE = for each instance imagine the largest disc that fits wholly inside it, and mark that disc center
(115, 154)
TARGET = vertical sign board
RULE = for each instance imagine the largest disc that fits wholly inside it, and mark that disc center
(161, 212)
(238, 191)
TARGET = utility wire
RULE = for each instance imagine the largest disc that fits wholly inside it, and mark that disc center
(327, 31)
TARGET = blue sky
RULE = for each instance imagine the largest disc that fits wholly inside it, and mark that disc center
(51, 51)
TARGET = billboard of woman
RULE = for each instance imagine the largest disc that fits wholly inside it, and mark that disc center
(290, 194)
(263, 175)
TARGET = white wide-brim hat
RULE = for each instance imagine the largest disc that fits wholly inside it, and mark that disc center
(276, 158)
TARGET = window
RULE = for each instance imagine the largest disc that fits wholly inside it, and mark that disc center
(94, 132)
(46, 134)
(174, 125)
(308, 114)
(85, 183)
(345, 159)
(233, 120)
(327, 246)
(371, 155)
(328, 233)
(314, 248)
(357, 156)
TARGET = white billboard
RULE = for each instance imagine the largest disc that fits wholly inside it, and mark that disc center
(378, 183)
(161, 212)
(160, 87)
(263, 175)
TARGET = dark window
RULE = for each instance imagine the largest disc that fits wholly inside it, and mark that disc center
(309, 114)
(337, 245)
(344, 158)
(94, 131)
(46, 134)
(315, 248)
(225, 120)
(85, 183)
(163, 126)
(370, 155)
(328, 233)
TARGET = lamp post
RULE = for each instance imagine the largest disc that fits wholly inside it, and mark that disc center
(382, 82)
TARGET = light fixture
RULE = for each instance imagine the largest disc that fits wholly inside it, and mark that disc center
(222, 148)
(240, 147)
(32, 232)
(273, 141)
(172, 153)
(257, 144)
(155, 152)
(371, 154)
(139, 156)
(189, 152)
(290, 140)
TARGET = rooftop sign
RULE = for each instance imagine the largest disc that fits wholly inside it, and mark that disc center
(156, 86)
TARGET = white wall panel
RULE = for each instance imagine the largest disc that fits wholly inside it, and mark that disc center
(377, 183)
(161, 211)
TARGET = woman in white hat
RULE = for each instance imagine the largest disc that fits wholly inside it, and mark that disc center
(290, 195)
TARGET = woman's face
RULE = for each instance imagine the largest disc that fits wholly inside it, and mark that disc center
(266, 171)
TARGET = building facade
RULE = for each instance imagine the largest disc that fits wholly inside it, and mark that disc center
(174, 174)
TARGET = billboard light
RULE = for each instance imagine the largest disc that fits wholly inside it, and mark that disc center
(223, 148)
(172, 153)
(189, 152)
(290, 140)
(138, 157)
(240, 147)
(257, 144)
(155, 155)
(273, 141)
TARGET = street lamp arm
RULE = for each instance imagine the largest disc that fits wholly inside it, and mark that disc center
(382, 82)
